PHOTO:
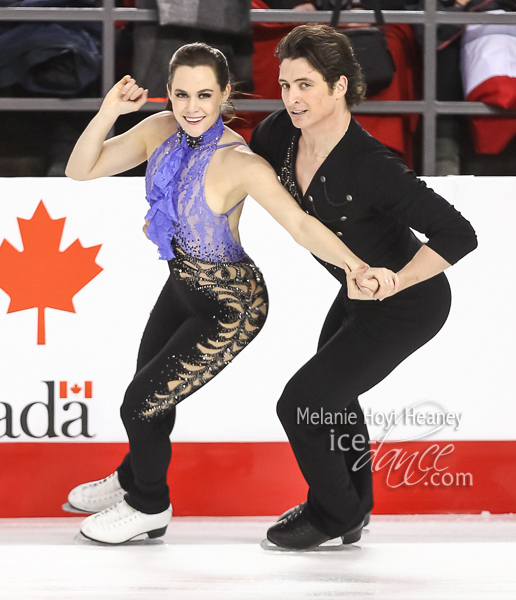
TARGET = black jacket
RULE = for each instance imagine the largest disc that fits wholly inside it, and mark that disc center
(366, 195)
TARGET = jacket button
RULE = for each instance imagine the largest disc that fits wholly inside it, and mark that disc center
(310, 198)
(343, 218)
(349, 197)
(339, 233)
(323, 178)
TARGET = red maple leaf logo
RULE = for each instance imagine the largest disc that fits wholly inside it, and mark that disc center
(40, 276)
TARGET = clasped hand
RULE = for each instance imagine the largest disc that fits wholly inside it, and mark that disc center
(371, 283)
(124, 97)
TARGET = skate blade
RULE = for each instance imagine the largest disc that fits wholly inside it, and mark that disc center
(67, 507)
(326, 547)
(82, 540)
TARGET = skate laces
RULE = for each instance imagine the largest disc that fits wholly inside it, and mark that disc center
(298, 515)
(294, 514)
(117, 512)
(102, 480)
(104, 487)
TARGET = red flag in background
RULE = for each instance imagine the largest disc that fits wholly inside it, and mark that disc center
(75, 389)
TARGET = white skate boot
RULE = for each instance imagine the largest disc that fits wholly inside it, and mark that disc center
(122, 522)
(94, 496)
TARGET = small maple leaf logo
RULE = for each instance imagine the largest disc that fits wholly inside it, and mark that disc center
(88, 389)
(40, 276)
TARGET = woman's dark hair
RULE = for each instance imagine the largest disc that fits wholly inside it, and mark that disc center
(328, 52)
(202, 55)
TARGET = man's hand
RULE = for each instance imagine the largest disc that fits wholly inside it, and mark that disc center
(370, 283)
(388, 281)
(355, 292)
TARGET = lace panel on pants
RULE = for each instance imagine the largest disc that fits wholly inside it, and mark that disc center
(240, 291)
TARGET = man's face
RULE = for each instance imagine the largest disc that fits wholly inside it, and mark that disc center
(306, 95)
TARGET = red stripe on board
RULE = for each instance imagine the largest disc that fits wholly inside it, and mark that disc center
(262, 478)
(87, 389)
(63, 389)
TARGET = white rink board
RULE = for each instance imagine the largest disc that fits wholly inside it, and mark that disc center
(467, 367)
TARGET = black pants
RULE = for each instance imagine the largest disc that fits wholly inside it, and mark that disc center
(206, 314)
(361, 343)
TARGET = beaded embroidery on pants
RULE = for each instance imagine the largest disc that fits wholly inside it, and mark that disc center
(238, 291)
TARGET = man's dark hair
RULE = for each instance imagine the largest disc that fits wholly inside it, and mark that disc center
(328, 52)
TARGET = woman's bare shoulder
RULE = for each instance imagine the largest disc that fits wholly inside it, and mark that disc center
(157, 128)
(232, 157)
(240, 154)
(244, 165)
(230, 136)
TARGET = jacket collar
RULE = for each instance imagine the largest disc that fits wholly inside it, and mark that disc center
(346, 147)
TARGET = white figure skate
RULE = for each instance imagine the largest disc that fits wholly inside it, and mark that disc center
(122, 523)
(95, 496)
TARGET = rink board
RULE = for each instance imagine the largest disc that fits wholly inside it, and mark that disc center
(65, 367)
(262, 478)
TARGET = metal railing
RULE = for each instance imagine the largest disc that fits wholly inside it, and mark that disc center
(429, 107)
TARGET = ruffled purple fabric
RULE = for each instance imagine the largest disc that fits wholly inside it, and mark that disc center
(161, 194)
(162, 215)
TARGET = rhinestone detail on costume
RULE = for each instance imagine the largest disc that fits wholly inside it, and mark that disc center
(287, 173)
(239, 288)
(289, 182)
(175, 177)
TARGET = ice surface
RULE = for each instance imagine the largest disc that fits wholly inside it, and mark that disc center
(416, 557)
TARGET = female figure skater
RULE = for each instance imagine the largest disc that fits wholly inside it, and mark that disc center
(215, 300)
(363, 192)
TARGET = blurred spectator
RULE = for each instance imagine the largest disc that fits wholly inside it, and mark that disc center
(52, 59)
(154, 44)
(290, 5)
(395, 131)
(55, 59)
(488, 64)
(448, 85)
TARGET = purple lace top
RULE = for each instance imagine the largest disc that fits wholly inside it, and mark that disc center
(174, 182)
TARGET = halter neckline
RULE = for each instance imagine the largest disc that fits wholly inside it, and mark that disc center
(208, 137)
(175, 190)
